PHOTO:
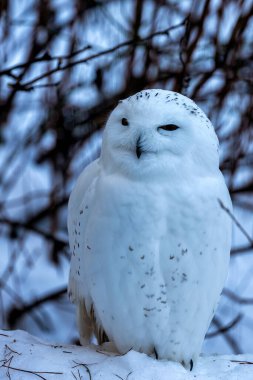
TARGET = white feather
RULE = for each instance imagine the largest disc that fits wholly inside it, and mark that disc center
(151, 241)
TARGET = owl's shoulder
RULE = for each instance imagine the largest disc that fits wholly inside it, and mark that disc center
(84, 181)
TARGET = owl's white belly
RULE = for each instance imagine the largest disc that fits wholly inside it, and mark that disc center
(155, 263)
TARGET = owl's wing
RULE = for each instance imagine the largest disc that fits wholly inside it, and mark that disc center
(77, 220)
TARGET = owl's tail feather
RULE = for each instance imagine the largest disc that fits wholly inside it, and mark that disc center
(88, 325)
(102, 337)
(84, 324)
(97, 327)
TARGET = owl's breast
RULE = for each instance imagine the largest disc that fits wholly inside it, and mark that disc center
(123, 235)
(152, 253)
(132, 226)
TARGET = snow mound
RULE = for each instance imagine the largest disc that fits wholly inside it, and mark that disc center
(23, 357)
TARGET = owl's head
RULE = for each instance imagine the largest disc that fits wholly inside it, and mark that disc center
(158, 131)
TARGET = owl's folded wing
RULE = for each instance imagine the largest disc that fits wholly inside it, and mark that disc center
(78, 209)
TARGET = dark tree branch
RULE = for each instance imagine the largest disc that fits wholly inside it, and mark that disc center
(16, 314)
(223, 329)
(27, 86)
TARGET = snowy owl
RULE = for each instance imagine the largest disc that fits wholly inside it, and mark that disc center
(150, 241)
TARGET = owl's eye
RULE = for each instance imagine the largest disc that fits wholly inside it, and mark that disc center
(167, 127)
(124, 121)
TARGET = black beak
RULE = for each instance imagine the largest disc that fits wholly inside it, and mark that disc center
(138, 148)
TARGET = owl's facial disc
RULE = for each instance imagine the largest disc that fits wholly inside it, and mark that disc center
(157, 131)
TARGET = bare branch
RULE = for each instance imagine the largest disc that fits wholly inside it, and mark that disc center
(138, 41)
(36, 373)
(245, 233)
(46, 57)
(17, 313)
(234, 297)
(225, 333)
(223, 329)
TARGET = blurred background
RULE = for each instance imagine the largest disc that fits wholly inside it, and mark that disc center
(64, 64)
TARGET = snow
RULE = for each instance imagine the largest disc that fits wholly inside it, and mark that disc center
(24, 356)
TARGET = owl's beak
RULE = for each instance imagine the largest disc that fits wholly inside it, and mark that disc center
(138, 148)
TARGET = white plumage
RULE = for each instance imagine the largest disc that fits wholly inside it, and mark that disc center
(150, 243)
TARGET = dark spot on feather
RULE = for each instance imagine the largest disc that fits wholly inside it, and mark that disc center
(149, 309)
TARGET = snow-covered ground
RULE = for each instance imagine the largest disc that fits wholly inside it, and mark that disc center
(24, 357)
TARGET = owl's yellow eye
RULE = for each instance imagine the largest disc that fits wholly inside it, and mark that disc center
(168, 127)
(124, 121)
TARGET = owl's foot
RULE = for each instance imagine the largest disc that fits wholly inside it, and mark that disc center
(188, 365)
